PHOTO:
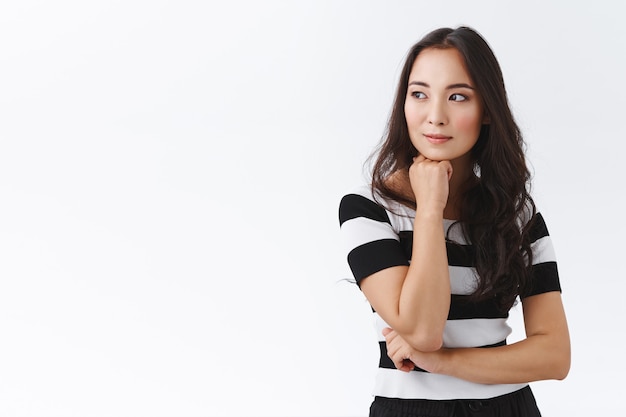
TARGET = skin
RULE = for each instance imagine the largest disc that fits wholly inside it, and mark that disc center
(444, 115)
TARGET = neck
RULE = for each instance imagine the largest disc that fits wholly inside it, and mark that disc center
(462, 177)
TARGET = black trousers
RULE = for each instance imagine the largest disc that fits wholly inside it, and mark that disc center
(520, 403)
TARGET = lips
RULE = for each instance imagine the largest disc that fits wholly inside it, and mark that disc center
(437, 138)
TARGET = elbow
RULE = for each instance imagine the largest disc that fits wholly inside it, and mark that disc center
(562, 376)
(562, 370)
(561, 364)
(423, 338)
(565, 361)
(426, 342)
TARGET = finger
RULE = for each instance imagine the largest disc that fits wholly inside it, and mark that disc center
(419, 158)
(390, 336)
(387, 330)
(407, 366)
(393, 351)
(404, 365)
(399, 364)
(449, 170)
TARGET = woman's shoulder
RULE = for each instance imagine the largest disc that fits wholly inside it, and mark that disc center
(396, 182)
(365, 201)
(360, 201)
(362, 190)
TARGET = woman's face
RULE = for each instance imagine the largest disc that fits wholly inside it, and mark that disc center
(444, 112)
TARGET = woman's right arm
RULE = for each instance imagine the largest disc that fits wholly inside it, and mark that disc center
(414, 300)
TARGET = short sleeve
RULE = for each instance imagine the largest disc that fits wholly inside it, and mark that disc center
(370, 242)
(545, 274)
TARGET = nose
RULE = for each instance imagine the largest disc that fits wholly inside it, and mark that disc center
(437, 114)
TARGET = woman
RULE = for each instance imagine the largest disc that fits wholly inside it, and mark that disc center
(447, 237)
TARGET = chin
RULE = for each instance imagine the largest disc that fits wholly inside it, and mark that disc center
(444, 155)
(434, 156)
(437, 159)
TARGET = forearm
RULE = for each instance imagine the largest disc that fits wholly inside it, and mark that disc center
(425, 298)
(415, 300)
(536, 358)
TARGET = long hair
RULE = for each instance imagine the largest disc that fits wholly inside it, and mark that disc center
(496, 210)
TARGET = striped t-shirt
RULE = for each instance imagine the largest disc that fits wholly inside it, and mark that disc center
(378, 237)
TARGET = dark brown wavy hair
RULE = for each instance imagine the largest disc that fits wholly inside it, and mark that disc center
(496, 209)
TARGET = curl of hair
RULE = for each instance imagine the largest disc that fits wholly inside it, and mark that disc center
(497, 209)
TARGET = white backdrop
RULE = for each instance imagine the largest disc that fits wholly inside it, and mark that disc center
(170, 173)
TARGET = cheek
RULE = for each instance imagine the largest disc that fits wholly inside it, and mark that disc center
(469, 123)
(412, 115)
(408, 114)
(414, 127)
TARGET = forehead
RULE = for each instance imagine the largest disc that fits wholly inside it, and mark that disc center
(444, 65)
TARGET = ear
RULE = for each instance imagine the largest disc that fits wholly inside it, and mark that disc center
(486, 119)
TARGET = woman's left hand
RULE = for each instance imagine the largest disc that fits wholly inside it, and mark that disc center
(405, 357)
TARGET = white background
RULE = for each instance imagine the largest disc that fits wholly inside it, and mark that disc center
(170, 173)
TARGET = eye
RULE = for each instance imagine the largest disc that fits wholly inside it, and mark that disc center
(457, 97)
(418, 94)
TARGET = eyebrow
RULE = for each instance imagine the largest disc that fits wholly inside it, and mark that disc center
(450, 87)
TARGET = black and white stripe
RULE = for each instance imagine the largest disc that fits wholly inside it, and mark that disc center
(379, 235)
